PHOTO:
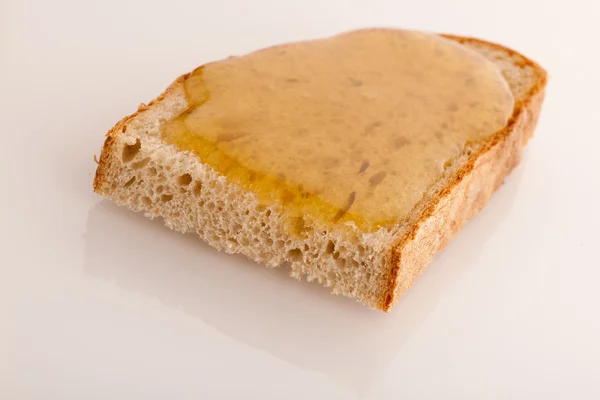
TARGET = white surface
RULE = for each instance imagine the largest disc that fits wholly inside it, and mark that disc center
(99, 303)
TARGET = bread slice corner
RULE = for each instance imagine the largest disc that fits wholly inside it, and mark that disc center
(139, 170)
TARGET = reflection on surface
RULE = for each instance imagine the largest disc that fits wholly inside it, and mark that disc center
(264, 308)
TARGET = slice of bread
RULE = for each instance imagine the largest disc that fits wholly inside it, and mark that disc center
(139, 170)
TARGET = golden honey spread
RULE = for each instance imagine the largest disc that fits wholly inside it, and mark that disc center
(354, 127)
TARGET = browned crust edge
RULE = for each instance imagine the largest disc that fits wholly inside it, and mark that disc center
(531, 106)
(519, 129)
(106, 153)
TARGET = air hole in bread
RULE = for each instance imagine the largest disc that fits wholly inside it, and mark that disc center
(197, 188)
(331, 276)
(146, 201)
(336, 255)
(361, 251)
(141, 164)
(299, 226)
(184, 180)
(231, 197)
(233, 241)
(330, 247)
(129, 182)
(159, 189)
(166, 197)
(267, 213)
(295, 255)
(152, 171)
(130, 151)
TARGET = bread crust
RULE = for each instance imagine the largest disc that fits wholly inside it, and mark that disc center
(437, 219)
(499, 155)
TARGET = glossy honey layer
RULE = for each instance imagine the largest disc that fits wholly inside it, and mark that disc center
(350, 128)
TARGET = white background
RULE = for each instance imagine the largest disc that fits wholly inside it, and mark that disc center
(100, 303)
